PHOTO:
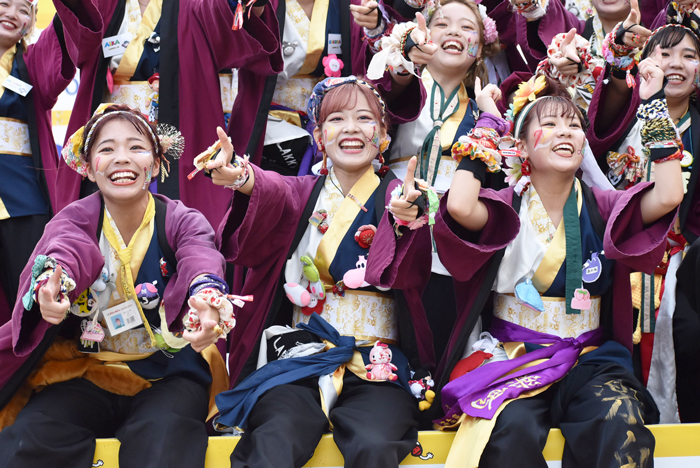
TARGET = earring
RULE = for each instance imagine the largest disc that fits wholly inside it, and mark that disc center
(525, 167)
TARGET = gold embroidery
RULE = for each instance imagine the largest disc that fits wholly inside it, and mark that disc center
(14, 137)
(528, 381)
(364, 315)
(553, 321)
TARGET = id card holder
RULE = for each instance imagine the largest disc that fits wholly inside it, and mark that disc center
(122, 317)
(115, 45)
(18, 86)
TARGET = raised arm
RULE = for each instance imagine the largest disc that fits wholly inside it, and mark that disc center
(660, 137)
(463, 204)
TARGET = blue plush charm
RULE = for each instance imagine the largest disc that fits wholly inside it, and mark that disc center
(528, 296)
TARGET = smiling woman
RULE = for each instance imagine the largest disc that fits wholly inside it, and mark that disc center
(555, 256)
(128, 277)
(341, 255)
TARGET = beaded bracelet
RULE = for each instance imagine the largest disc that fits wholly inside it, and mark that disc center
(620, 56)
(677, 155)
(245, 175)
(217, 300)
(586, 65)
(402, 46)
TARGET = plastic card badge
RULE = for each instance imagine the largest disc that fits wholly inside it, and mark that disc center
(122, 317)
(115, 45)
(18, 86)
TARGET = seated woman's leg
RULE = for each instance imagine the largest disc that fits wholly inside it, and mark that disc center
(520, 434)
(603, 423)
(284, 428)
(374, 424)
(58, 427)
(164, 425)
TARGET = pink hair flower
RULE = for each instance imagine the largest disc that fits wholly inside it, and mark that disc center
(332, 65)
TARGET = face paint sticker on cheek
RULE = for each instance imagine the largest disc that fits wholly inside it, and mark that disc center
(329, 135)
(472, 48)
(147, 180)
(696, 79)
(375, 136)
(23, 32)
(541, 140)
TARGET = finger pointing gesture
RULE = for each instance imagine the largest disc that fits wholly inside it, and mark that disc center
(52, 304)
(404, 207)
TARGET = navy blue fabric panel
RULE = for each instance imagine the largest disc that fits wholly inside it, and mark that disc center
(590, 243)
(149, 63)
(186, 362)
(19, 185)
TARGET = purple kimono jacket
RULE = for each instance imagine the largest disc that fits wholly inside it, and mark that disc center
(251, 85)
(467, 255)
(206, 45)
(71, 238)
(51, 69)
(258, 232)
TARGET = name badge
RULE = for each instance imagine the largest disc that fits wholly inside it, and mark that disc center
(115, 45)
(122, 317)
(17, 85)
(335, 44)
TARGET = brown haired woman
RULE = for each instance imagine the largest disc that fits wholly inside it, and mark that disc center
(92, 349)
(351, 273)
(554, 257)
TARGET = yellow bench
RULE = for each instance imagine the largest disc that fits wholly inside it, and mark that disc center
(677, 446)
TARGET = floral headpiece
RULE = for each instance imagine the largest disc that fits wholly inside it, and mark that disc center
(314, 106)
(167, 138)
(526, 93)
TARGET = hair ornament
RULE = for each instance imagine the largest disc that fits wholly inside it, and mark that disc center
(321, 89)
(527, 92)
(167, 139)
(490, 31)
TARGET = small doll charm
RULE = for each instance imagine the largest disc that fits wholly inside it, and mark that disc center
(381, 367)
(154, 84)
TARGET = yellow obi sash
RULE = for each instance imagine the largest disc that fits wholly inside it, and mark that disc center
(553, 321)
(366, 315)
(14, 137)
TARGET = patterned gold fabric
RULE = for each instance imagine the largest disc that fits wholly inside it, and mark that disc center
(553, 321)
(296, 91)
(362, 314)
(14, 137)
(543, 226)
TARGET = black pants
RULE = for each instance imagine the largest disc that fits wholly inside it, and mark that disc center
(374, 425)
(599, 412)
(18, 237)
(162, 426)
(441, 310)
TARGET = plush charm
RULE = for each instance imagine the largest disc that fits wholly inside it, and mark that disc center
(164, 268)
(297, 294)
(354, 279)
(581, 300)
(147, 295)
(103, 287)
(365, 235)
(315, 306)
(420, 384)
(381, 367)
(320, 220)
(313, 276)
(528, 296)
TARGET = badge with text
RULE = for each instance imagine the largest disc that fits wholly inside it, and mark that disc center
(122, 317)
(17, 85)
(335, 44)
(115, 45)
